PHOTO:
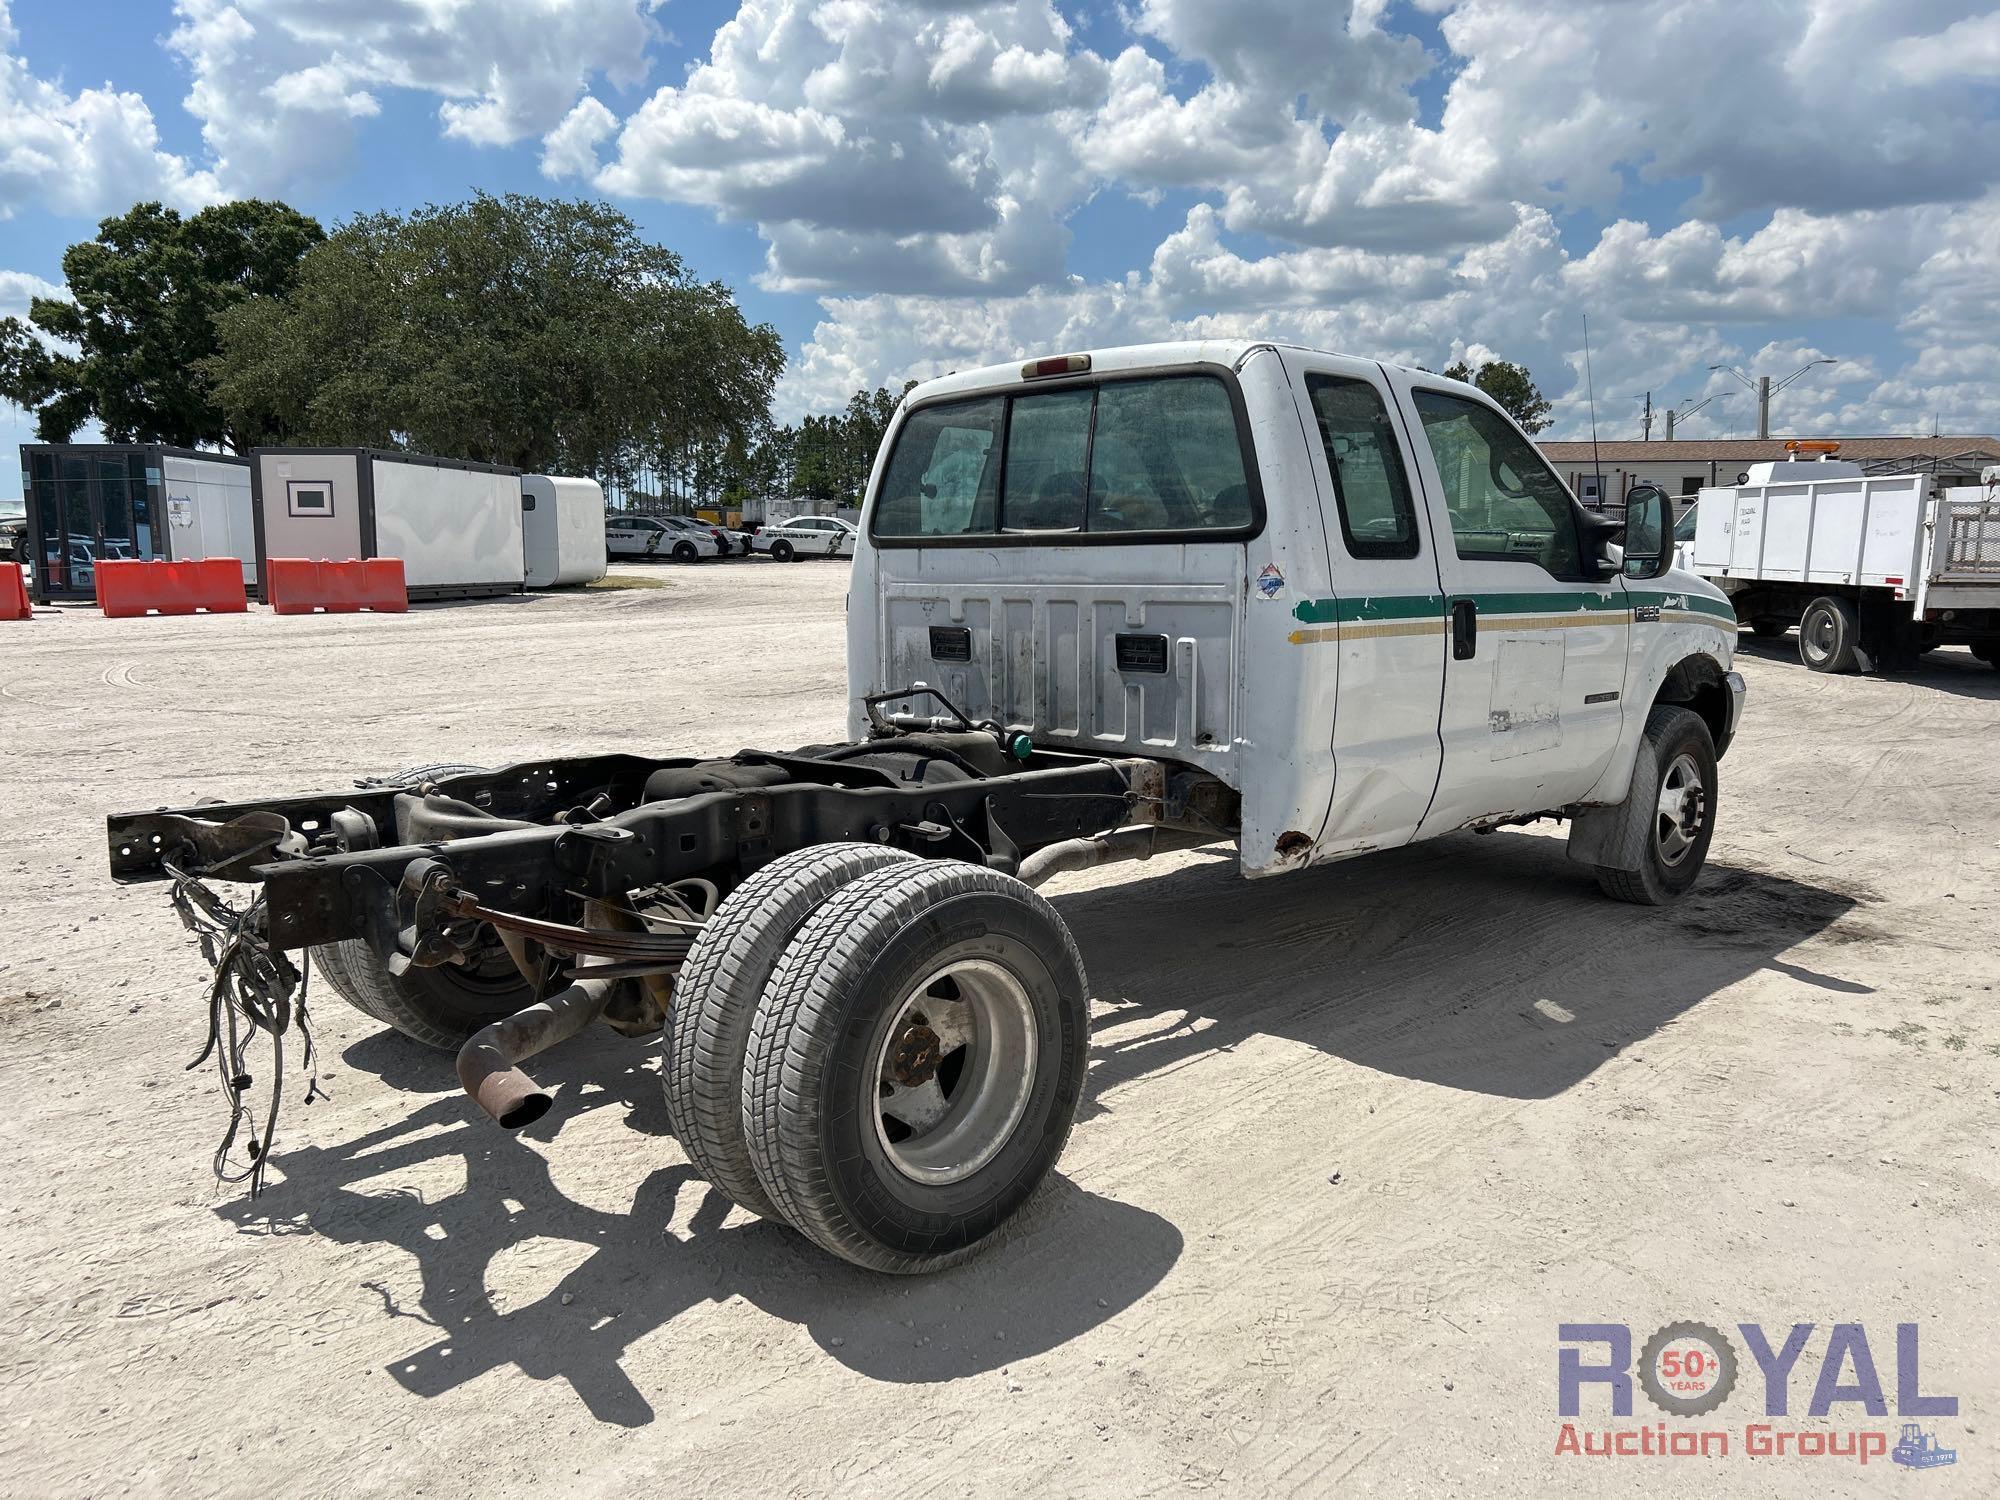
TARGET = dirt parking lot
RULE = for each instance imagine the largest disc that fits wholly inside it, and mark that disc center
(1356, 1141)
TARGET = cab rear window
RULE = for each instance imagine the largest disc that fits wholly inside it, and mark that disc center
(1111, 461)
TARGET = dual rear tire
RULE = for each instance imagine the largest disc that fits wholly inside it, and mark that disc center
(883, 1052)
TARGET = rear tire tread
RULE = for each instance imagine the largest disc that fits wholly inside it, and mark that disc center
(716, 998)
(781, 1082)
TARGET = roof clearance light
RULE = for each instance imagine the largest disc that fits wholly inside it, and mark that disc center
(1061, 364)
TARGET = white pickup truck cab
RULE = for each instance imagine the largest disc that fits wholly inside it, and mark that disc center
(1355, 593)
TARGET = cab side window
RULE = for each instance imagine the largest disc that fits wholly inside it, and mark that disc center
(1370, 488)
(1506, 504)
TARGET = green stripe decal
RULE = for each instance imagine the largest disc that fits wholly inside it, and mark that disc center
(1369, 607)
(1373, 607)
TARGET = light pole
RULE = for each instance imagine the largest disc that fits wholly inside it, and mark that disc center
(1765, 390)
(1683, 413)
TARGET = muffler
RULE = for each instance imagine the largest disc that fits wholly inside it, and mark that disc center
(489, 1063)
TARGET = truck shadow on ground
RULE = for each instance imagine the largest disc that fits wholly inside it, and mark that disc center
(1488, 963)
(1950, 669)
(677, 1246)
(1481, 962)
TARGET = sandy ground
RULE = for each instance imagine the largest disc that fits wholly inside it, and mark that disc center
(1356, 1141)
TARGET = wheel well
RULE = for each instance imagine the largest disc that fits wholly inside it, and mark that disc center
(1696, 682)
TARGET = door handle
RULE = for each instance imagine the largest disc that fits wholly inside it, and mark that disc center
(1464, 629)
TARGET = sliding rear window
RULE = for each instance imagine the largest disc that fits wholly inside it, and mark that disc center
(1115, 460)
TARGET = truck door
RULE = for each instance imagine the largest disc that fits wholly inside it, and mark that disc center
(1385, 625)
(1536, 641)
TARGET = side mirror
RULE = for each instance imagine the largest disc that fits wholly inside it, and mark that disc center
(1649, 532)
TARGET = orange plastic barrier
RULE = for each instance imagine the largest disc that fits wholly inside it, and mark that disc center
(13, 593)
(299, 585)
(127, 589)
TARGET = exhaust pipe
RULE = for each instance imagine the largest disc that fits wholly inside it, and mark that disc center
(1104, 849)
(489, 1063)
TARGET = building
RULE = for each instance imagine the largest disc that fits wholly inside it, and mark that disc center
(1685, 465)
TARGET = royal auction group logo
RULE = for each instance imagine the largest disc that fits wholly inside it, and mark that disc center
(1689, 1370)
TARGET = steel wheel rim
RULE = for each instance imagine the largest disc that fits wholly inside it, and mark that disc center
(953, 1075)
(1818, 634)
(1682, 809)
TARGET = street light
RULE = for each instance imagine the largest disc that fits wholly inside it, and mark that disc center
(1766, 390)
(1683, 413)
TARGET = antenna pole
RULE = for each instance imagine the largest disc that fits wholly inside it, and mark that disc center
(1590, 387)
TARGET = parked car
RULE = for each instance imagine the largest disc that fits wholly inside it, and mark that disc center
(724, 543)
(806, 536)
(652, 536)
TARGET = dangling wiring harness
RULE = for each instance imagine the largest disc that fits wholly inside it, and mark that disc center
(257, 990)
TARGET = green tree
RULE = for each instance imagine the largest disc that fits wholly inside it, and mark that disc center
(128, 346)
(542, 334)
(1511, 386)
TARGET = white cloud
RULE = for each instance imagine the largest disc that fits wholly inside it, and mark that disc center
(19, 288)
(85, 153)
(879, 143)
(1663, 309)
(570, 150)
(279, 85)
(1969, 47)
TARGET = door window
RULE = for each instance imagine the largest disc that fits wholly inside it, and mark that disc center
(1370, 489)
(1506, 504)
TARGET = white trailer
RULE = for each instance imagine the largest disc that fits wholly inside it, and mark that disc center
(209, 510)
(455, 525)
(562, 530)
(1873, 570)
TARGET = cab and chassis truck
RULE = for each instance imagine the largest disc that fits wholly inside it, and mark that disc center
(1103, 605)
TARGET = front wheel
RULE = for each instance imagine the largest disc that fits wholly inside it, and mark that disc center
(1828, 633)
(1671, 808)
(915, 1064)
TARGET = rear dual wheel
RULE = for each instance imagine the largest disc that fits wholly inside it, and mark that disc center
(909, 1069)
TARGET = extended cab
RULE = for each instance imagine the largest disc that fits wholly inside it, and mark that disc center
(1102, 605)
(1354, 593)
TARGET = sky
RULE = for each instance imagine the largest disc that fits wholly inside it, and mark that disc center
(906, 187)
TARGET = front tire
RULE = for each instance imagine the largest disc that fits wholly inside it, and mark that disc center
(715, 1001)
(1828, 633)
(1671, 807)
(915, 1064)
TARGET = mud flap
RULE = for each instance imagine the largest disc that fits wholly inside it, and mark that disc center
(1617, 837)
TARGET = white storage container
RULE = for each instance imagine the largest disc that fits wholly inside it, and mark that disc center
(208, 510)
(455, 525)
(562, 530)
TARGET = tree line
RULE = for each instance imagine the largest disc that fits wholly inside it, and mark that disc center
(542, 334)
(545, 335)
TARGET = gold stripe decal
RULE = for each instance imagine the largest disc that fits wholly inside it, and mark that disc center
(1365, 630)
